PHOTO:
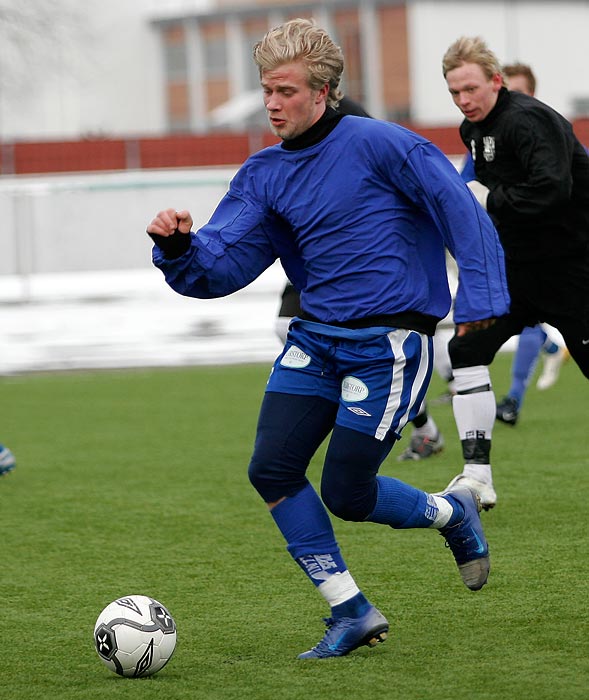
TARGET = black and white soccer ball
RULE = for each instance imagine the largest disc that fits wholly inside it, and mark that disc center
(135, 636)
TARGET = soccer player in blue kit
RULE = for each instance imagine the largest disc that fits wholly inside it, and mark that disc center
(359, 212)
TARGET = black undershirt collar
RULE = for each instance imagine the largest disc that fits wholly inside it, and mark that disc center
(316, 133)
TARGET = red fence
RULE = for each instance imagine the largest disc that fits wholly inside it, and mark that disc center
(22, 158)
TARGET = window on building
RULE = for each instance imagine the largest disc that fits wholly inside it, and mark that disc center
(176, 70)
(252, 32)
(215, 64)
(347, 33)
(215, 52)
(175, 59)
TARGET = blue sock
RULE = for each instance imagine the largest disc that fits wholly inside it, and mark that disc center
(354, 607)
(401, 506)
(458, 514)
(308, 531)
(524, 362)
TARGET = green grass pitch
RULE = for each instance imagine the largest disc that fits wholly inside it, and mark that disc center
(135, 482)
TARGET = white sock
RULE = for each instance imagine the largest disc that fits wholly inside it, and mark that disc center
(445, 511)
(475, 414)
(480, 472)
(338, 588)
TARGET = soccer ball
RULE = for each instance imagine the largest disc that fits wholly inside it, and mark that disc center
(135, 636)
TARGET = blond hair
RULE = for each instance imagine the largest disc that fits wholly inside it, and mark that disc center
(302, 40)
(513, 69)
(471, 50)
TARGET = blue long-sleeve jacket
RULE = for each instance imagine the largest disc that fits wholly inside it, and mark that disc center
(359, 221)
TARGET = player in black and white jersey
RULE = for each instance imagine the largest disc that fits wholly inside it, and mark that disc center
(532, 176)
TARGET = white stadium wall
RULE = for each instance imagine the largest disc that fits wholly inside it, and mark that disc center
(96, 222)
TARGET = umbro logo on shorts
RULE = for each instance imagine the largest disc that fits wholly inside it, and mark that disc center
(358, 411)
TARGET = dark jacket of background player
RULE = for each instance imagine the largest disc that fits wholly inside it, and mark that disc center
(538, 176)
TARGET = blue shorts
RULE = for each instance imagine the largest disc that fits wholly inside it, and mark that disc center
(378, 376)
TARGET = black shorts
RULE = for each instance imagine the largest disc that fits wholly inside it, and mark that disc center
(550, 291)
(555, 292)
(291, 303)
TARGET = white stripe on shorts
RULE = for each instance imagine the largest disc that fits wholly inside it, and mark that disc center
(397, 338)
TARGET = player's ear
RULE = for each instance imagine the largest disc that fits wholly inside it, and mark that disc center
(497, 80)
(322, 93)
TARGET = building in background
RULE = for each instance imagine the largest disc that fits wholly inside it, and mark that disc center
(155, 67)
(211, 80)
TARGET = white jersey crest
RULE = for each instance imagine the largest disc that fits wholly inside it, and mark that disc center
(489, 148)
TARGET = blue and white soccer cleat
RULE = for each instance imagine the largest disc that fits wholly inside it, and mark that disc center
(348, 633)
(467, 540)
(7, 460)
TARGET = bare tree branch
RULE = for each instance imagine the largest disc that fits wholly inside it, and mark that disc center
(37, 38)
